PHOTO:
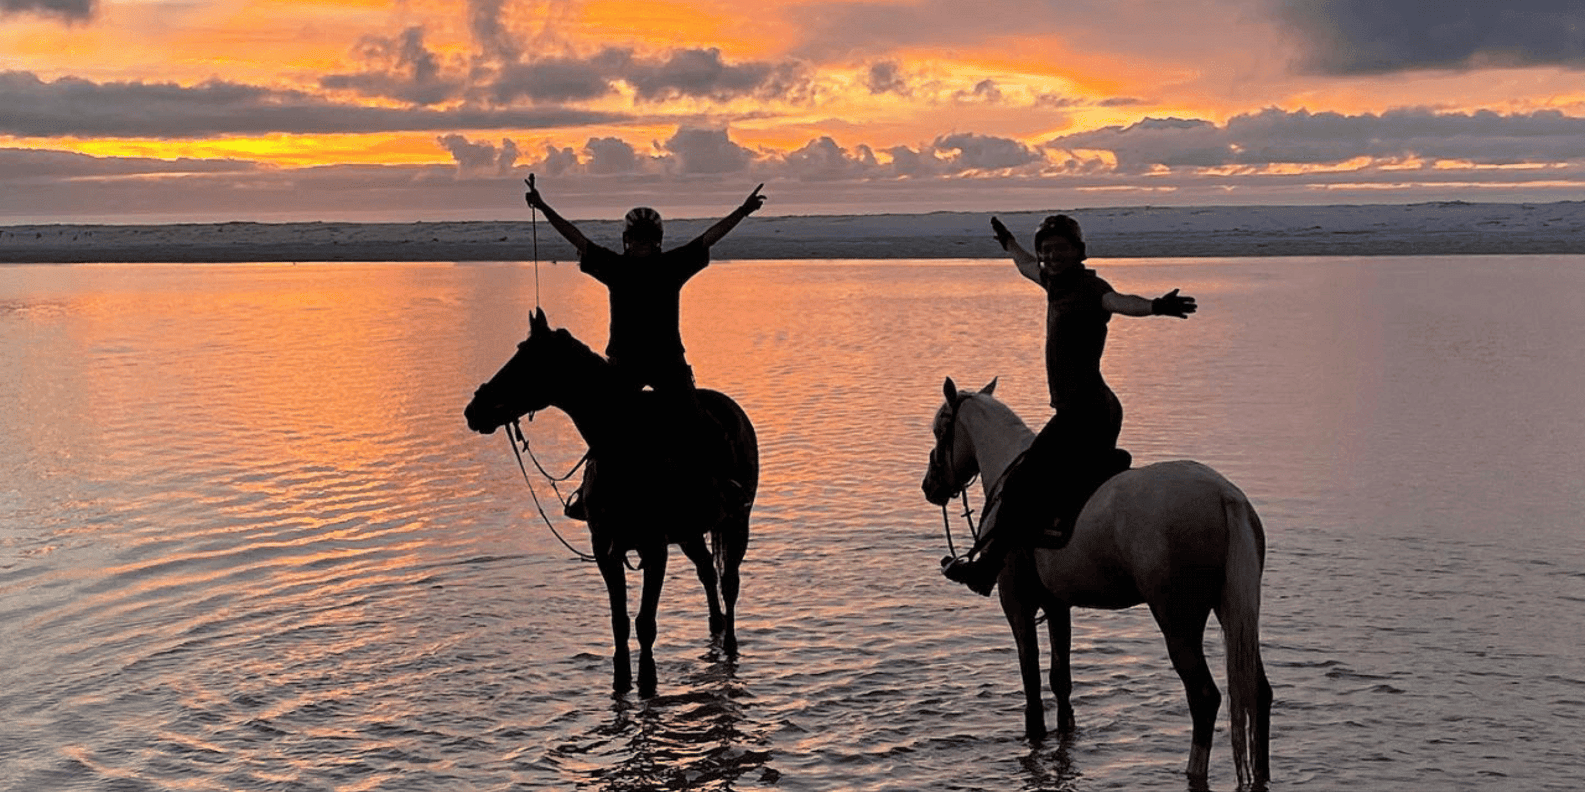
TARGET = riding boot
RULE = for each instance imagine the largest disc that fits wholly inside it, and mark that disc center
(981, 573)
(575, 508)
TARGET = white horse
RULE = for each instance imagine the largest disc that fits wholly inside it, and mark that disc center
(1176, 536)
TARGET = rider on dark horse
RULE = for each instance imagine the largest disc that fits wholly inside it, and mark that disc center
(645, 345)
(1077, 450)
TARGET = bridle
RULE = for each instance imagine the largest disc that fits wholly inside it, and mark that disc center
(946, 445)
(516, 438)
(945, 452)
(519, 443)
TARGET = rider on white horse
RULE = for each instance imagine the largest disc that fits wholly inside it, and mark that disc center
(645, 285)
(1077, 450)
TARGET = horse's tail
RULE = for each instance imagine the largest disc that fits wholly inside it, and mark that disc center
(1249, 694)
(729, 536)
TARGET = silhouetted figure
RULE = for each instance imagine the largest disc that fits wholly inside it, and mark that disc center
(1077, 449)
(645, 284)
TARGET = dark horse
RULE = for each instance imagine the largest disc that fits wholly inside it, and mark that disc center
(1175, 536)
(640, 490)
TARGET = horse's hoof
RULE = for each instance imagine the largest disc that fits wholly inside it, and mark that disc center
(729, 645)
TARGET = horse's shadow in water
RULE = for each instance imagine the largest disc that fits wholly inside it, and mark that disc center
(1049, 766)
(700, 738)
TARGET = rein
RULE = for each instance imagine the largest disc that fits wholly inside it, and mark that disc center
(515, 436)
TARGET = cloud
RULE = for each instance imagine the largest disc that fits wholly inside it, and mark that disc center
(609, 155)
(702, 74)
(969, 151)
(907, 162)
(1359, 37)
(68, 10)
(75, 107)
(25, 165)
(823, 160)
(480, 158)
(558, 160)
(401, 68)
(707, 151)
(1278, 137)
(984, 92)
(1171, 142)
(886, 77)
(556, 79)
(490, 34)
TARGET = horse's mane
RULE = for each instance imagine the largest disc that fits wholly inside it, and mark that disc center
(1000, 413)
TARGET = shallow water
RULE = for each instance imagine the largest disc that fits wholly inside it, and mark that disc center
(247, 543)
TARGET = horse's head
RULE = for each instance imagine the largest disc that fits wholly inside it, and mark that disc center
(952, 461)
(530, 381)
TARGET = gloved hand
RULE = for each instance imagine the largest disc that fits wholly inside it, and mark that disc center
(1170, 304)
(1003, 236)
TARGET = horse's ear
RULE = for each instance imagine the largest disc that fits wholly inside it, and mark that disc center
(990, 387)
(538, 322)
(950, 388)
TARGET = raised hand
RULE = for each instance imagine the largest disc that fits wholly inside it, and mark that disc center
(532, 196)
(1002, 235)
(1170, 304)
(754, 201)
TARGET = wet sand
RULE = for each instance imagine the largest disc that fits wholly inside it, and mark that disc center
(1129, 232)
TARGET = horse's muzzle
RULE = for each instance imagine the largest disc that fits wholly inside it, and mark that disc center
(479, 417)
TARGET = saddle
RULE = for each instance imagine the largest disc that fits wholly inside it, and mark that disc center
(1056, 535)
(692, 451)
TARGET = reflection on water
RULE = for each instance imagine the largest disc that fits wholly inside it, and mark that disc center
(246, 541)
(690, 740)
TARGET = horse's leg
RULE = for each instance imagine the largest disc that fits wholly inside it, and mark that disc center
(704, 564)
(732, 547)
(1183, 625)
(616, 588)
(654, 559)
(1019, 608)
(1059, 621)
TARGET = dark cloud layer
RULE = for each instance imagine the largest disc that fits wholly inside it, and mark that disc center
(1346, 37)
(1276, 137)
(76, 107)
(70, 10)
(404, 69)
(400, 68)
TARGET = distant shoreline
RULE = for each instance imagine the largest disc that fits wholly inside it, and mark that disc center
(1454, 228)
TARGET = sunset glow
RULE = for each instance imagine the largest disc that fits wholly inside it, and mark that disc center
(1208, 102)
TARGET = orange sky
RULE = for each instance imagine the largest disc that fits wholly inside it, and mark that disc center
(219, 103)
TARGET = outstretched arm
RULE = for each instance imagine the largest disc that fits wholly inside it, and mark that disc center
(562, 226)
(750, 205)
(1169, 304)
(1028, 264)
